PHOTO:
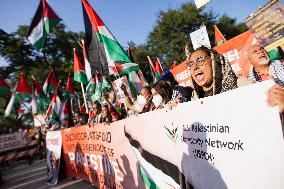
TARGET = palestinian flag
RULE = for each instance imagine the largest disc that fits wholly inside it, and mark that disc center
(88, 68)
(69, 88)
(153, 69)
(124, 69)
(10, 105)
(105, 84)
(133, 79)
(134, 83)
(114, 51)
(116, 68)
(90, 89)
(156, 172)
(83, 109)
(97, 96)
(158, 69)
(44, 20)
(4, 88)
(21, 93)
(95, 51)
(79, 70)
(53, 111)
(142, 79)
(219, 38)
(40, 101)
(23, 90)
(100, 88)
(130, 54)
(50, 83)
(65, 111)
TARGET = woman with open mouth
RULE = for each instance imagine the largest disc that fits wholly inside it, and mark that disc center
(211, 73)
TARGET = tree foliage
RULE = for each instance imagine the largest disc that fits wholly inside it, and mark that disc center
(23, 58)
(171, 33)
(167, 41)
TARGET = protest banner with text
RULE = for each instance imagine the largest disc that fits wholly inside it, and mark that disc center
(235, 52)
(200, 38)
(11, 141)
(53, 154)
(268, 25)
(182, 74)
(102, 155)
(212, 145)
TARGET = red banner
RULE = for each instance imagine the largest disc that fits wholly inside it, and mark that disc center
(182, 74)
(102, 155)
(233, 49)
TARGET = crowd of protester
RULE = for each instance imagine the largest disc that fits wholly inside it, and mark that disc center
(211, 74)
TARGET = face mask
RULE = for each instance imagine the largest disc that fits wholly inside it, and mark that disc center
(157, 100)
(141, 100)
(104, 103)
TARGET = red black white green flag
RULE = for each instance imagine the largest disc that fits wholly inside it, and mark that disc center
(130, 54)
(69, 87)
(158, 69)
(219, 38)
(22, 92)
(40, 101)
(43, 21)
(50, 83)
(79, 70)
(53, 111)
(114, 51)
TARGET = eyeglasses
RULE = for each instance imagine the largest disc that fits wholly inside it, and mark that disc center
(199, 61)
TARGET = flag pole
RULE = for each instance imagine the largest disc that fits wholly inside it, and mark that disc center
(84, 97)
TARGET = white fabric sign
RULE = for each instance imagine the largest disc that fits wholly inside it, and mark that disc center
(200, 3)
(11, 141)
(231, 140)
(54, 142)
(53, 153)
(200, 37)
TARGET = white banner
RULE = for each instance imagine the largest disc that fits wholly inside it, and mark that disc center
(53, 153)
(11, 141)
(231, 140)
(200, 37)
(200, 3)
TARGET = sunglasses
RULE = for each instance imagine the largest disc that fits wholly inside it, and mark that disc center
(199, 61)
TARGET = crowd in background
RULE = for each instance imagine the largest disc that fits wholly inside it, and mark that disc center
(211, 74)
